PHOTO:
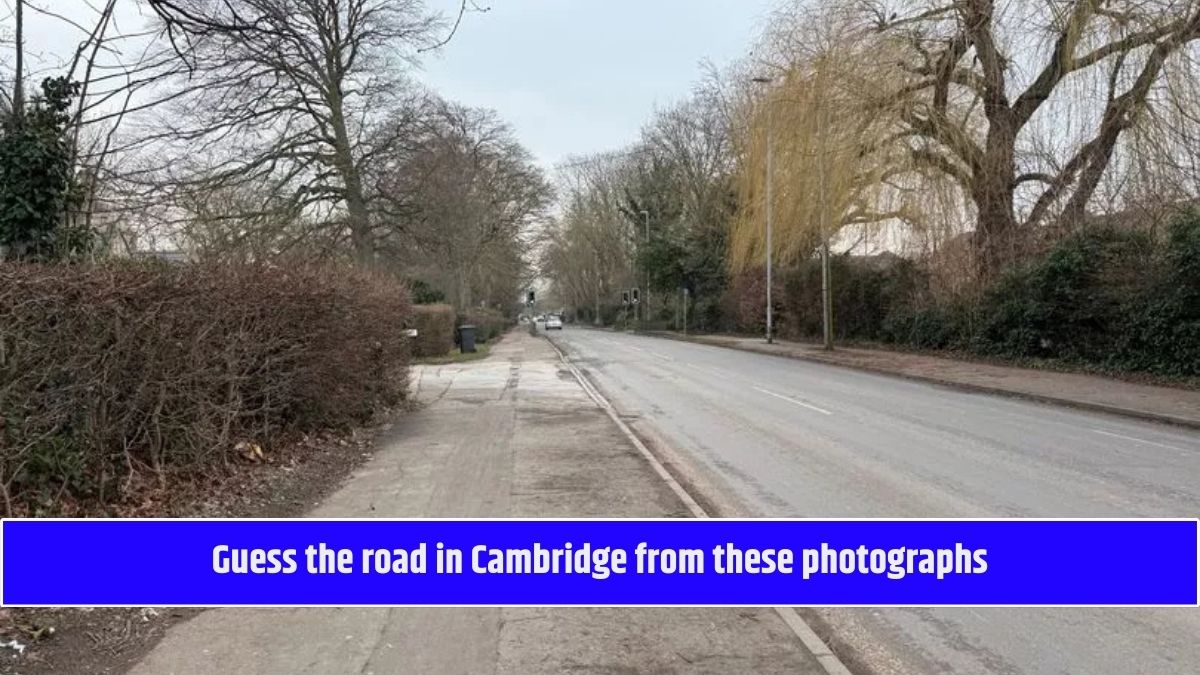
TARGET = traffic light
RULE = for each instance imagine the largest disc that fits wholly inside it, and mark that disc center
(624, 297)
(529, 298)
(636, 298)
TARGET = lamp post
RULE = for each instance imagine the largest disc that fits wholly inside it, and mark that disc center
(769, 206)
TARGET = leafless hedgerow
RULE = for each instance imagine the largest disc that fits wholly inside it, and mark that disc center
(116, 373)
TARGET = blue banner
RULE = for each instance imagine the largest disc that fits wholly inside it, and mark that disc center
(598, 562)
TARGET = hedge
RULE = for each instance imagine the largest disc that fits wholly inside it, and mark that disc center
(1112, 298)
(864, 291)
(489, 323)
(435, 330)
(1108, 298)
(115, 372)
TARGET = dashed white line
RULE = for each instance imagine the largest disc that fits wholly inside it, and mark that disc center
(1142, 440)
(796, 401)
(710, 370)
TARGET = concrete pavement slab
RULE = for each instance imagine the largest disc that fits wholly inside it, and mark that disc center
(513, 435)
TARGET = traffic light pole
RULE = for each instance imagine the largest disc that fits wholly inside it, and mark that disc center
(530, 302)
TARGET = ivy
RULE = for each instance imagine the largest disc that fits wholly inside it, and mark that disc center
(38, 190)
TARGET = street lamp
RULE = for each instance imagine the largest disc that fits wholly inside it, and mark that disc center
(646, 300)
(769, 206)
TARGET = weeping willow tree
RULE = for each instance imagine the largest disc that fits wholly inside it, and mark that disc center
(1015, 121)
(836, 166)
(1030, 106)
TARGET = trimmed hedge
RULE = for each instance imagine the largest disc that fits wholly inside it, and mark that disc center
(489, 323)
(435, 330)
(113, 372)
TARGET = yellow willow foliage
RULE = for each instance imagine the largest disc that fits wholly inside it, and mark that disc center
(832, 145)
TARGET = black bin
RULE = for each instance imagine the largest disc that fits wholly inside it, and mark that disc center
(466, 338)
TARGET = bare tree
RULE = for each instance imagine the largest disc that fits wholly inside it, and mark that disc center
(462, 192)
(588, 250)
(694, 138)
(291, 93)
(979, 75)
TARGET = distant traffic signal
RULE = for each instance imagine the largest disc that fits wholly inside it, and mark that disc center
(636, 298)
(624, 297)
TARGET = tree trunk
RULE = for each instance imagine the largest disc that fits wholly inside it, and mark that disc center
(996, 235)
(358, 216)
(463, 282)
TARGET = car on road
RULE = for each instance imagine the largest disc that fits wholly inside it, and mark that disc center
(553, 322)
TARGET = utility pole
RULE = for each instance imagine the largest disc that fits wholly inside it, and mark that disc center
(826, 297)
(826, 283)
(769, 206)
(645, 309)
(599, 283)
(18, 97)
(685, 304)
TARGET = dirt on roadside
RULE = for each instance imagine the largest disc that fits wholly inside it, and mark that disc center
(106, 640)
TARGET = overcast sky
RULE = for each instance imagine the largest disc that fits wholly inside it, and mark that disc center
(571, 76)
(582, 76)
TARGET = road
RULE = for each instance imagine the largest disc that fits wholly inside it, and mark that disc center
(789, 438)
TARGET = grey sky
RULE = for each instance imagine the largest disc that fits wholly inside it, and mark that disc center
(581, 76)
(571, 76)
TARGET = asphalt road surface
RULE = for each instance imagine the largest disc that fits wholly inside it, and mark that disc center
(790, 438)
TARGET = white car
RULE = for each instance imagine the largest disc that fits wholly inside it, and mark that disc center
(553, 323)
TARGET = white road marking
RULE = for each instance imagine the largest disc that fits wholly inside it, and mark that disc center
(710, 370)
(1142, 440)
(660, 355)
(796, 401)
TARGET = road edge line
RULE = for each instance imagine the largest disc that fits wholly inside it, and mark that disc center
(812, 642)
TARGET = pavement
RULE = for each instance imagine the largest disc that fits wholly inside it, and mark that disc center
(757, 435)
(513, 435)
(1090, 392)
